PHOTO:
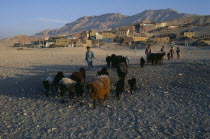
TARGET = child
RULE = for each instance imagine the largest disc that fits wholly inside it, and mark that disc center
(172, 52)
(169, 55)
(178, 53)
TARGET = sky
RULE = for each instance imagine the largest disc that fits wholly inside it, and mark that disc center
(27, 17)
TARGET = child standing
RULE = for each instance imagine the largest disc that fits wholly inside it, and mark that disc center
(178, 53)
(169, 55)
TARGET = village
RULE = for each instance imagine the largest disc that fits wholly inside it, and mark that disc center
(139, 34)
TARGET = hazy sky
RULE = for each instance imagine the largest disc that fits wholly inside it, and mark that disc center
(26, 17)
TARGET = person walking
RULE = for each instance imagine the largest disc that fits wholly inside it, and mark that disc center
(178, 52)
(89, 57)
(148, 51)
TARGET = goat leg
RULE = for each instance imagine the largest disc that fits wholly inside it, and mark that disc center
(101, 101)
(94, 104)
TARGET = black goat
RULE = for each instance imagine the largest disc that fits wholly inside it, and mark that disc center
(142, 62)
(122, 70)
(103, 72)
(57, 79)
(119, 88)
(132, 84)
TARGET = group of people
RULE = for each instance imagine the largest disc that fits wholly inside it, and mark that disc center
(170, 54)
(90, 55)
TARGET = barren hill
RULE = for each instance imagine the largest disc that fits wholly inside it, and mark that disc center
(16, 39)
(107, 21)
(102, 22)
(198, 20)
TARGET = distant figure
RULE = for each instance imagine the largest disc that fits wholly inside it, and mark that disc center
(142, 61)
(172, 52)
(178, 53)
(169, 55)
(162, 49)
(148, 51)
(89, 57)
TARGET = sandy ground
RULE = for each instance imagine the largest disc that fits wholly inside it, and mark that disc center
(171, 100)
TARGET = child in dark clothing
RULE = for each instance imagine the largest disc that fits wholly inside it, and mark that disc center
(169, 56)
(178, 53)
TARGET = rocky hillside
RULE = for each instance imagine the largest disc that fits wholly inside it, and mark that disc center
(102, 22)
(106, 21)
(16, 39)
(198, 24)
(196, 20)
(153, 15)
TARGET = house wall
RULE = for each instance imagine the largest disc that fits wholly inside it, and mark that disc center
(189, 34)
(162, 40)
(137, 39)
(147, 27)
(160, 25)
(62, 42)
(49, 43)
(108, 35)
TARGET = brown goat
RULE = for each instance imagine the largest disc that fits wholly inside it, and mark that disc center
(78, 77)
(99, 89)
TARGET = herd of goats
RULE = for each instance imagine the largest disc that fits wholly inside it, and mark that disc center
(71, 87)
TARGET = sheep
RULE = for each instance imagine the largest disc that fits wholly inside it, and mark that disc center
(100, 88)
(48, 83)
(122, 70)
(67, 87)
(56, 80)
(83, 71)
(102, 72)
(142, 62)
(132, 84)
(119, 88)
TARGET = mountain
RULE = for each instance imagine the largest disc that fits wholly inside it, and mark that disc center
(107, 21)
(153, 15)
(102, 22)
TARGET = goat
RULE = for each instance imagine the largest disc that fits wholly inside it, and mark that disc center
(57, 79)
(122, 70)
(142, 62)
(100, 88)
(119, 88)
(78, 77)
(48, 83)
(132, 84)
(69, 86)
(83, 71)
(102, 72)
(108, 61)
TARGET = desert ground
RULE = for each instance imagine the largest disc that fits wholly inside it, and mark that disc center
(171, 100)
